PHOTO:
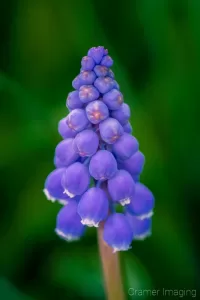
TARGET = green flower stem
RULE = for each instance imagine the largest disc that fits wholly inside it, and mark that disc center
(111, 269)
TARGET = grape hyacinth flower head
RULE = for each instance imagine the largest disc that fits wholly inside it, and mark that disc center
(125, 146)
(93, 207)
(65, 154)
(104, 84)
(141, 228)
(76, 179)
(53, 189)
(142, 202)
(73, 101)
(97, 111)
(77, 120)
(86, 143)
(97, 53)
(98, 164)
(121, 187)
(122, 114)
(88, 93)
(87, 63)
(68, 224)
(113, 99)
(64, 129)
(134, 165)
(103, 165)
(110, 130)
(118, 232)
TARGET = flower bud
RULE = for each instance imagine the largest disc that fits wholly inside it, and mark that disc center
(121, 187)
(118, 232)
(76, 179)
(68, 224)
(93, 207)
(142, 202)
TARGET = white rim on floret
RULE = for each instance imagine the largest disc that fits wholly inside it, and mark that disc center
(67, 237)
(49, 197)
(68, 193)
(141, 237)
(89, 223)
(145, 216)
(122, 248)
(63, 202)
(125, 201)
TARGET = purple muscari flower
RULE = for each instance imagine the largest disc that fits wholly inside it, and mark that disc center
(68, 224)
(87, 77)
(110, 130)
(107, 61)
(101, 70)
(141, 228)
(103, 165)
(121, 187)
(88, 93)
(118, 232)
(76, 179)
(77, 119)
(122, 114)
(125, 146)
(65, 153)
(93, 207)
(87, 63)
(97, 111)
(86, 143)
(113, 99)
(104, 84)
(142, 202)
(53, 188)
(134, 165)
(97, 53)
(73, 101)
(127, 127)
(76, 83)
(64, 129)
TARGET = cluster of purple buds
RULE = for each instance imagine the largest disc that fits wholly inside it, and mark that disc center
(98, 163)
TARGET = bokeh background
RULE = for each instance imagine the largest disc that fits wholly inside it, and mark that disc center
(155, 45)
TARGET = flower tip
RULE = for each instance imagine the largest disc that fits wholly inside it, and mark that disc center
(67, 237)
(48, 196)
(68, 193)
(125, 201)
(89, 223)
(142, 236)
(115, 249)
(63, 202)
(145, 216)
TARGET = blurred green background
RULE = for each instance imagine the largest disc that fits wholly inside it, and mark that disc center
(155, 45)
